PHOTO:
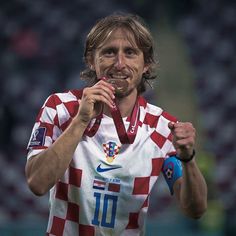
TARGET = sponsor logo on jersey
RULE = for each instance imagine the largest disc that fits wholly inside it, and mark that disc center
(105, 169)
(38, 137)
(111, 150)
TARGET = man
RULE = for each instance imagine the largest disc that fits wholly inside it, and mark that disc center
(101, 149)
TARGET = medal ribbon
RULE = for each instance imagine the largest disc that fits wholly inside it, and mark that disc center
(125, 137)
(129, 136)
(93, 130)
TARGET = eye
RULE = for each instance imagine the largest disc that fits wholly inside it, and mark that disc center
(108, 52)
(131, 52)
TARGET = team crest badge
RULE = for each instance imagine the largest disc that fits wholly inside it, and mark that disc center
(111, 150)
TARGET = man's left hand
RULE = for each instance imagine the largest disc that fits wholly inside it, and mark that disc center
(183, 138)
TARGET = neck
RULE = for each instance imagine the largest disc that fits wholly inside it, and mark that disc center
(125, 105)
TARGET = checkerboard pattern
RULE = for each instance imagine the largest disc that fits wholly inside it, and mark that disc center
(143, 185)
(55, 115)
(67, 215)
(67, 221)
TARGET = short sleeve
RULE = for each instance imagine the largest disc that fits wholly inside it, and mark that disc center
(45, 130)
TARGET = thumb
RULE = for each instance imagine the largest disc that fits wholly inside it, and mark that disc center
(171, 125)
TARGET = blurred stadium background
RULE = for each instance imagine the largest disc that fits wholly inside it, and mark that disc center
(41, 44)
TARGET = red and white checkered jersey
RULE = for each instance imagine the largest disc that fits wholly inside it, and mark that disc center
(106, 188)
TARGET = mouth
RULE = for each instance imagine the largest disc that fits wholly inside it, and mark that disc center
(118, 76)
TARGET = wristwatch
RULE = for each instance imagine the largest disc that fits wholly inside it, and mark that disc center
(189, 159)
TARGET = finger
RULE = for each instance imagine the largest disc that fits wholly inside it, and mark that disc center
(183, 129)
(182, 134)
(106, 87)
(171, 125)
(102, 96)
(102, 88)
(184, 143)
(104, 99)
(99, 98)
(95, 94)
(184, 125)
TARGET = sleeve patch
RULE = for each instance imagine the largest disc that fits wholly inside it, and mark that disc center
(38, 137)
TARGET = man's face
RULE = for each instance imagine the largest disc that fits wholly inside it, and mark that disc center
(120, 58)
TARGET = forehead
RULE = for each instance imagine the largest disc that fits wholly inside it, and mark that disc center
(119, 35)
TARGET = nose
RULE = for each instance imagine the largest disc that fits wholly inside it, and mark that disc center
(119, 61)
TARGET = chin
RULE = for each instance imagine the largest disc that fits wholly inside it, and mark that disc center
(121, 94)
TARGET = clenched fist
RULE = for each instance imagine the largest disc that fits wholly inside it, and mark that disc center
(183, 139)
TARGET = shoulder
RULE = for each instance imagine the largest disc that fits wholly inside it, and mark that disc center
(67, 96)
(61, 104)
(154, 115)
(156, 121)
(64, 98)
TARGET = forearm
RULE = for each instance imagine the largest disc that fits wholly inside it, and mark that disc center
(44, 169)
(193, 190)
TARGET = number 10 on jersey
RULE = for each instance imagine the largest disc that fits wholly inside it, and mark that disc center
(105, 210)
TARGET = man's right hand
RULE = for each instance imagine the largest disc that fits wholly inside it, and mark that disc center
(93, 98)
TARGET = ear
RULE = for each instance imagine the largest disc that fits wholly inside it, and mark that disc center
(90, 62)
(146, 68)
(91, 67)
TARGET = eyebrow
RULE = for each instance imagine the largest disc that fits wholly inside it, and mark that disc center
(107, 48)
